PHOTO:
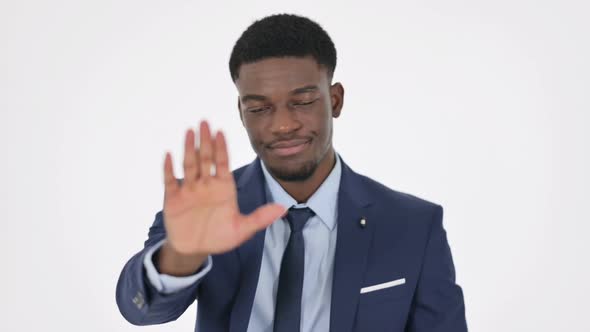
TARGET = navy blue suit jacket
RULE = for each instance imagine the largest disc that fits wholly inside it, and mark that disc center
(403, 238)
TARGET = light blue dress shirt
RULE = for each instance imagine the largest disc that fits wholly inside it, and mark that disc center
(320, 244)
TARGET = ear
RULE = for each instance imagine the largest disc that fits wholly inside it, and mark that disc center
(240, 111)
(337, 99)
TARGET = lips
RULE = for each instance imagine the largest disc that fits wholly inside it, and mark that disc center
(289, 147)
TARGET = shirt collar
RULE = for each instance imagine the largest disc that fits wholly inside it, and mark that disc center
(323, 201)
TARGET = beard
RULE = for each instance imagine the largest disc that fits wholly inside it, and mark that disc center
(300, 173)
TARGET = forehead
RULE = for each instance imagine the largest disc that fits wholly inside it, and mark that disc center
(280, 75)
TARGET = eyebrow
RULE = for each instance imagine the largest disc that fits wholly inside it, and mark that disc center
(252, 97)
(307, 88)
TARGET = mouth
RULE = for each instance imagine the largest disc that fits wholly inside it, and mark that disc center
(289, 148)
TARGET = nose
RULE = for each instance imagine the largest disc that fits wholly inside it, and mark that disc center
(284, 121)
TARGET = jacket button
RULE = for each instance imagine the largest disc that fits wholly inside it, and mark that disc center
(139, 300)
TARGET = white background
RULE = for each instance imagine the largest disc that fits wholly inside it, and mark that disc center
(479, 106)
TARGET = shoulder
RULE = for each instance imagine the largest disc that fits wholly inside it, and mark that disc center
(401, 206)
(387, 195)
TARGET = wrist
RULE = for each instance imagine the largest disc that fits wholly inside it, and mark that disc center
(171, 262)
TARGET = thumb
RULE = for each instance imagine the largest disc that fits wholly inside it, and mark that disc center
(261, 218)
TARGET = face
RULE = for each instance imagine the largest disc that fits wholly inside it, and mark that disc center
(287, 106)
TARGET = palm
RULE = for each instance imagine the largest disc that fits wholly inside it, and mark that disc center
(201, 214)
(213, 204)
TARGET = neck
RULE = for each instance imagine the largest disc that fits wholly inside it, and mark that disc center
(301, 191)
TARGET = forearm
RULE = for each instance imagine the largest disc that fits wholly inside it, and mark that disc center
(139, 298)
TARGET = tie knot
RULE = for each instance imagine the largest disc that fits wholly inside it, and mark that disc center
(298, 217)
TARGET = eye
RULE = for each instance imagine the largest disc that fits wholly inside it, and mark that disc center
(304, 103)
(259, 109)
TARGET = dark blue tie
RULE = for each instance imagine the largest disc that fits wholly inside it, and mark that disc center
(288, 306)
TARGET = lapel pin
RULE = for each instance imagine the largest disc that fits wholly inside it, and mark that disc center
(363, 222)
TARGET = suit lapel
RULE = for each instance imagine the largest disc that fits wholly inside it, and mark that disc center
(352, 247)
(251, 195)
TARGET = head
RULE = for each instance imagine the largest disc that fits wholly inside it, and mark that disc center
(282, 66)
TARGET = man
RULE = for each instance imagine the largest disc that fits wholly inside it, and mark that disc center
(294, 241)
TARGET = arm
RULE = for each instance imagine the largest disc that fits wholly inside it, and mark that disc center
(170, 282)
(201, 217)
(139, 300)
(438, 303)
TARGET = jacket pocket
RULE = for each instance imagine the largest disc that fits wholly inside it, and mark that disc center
(383, 291)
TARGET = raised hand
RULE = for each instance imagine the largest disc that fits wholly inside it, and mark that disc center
(201, 215)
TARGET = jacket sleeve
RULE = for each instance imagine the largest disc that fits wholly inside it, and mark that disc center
(438, 303)
(138, 300)
(168, 284)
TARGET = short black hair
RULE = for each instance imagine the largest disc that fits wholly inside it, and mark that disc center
(283, 35)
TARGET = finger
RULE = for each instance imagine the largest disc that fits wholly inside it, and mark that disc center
(170, 183)
(213, 154)
(198, 162)
(190, 162)
(206, 150)
(221, 157)
(260, 219)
